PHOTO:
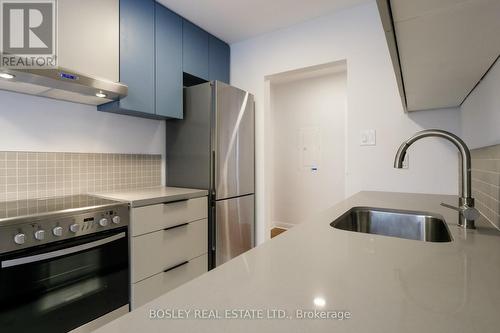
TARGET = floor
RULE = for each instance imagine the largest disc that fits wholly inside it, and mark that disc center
(276, 231)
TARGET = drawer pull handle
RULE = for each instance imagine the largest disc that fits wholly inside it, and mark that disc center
(176, 266)
(175, 201)
(176, 226)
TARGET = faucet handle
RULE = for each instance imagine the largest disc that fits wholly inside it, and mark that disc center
(451, 207)
(470, 213)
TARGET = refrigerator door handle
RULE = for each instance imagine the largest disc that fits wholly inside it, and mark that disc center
(213, 233)
(212, 180)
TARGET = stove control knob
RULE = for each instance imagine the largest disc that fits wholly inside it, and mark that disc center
(103, 222)
(57, 231)
(116, 219)
(19, 239)
(40, 234)
(74, 228)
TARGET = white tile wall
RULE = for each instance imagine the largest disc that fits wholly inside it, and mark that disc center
(27, 175)
(486, 182)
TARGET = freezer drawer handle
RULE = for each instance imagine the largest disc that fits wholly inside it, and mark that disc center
(60, 253)
(176, 226)
(175, 201)
(176, 266)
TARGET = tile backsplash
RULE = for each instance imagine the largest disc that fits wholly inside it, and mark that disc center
(486, 182)
(27, 175)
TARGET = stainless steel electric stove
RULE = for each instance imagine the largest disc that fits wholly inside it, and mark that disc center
(63, 262)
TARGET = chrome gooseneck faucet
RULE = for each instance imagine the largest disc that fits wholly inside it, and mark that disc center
(468, 214)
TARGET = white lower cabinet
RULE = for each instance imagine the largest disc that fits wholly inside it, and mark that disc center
(157, 217)
(168, 248)
(156, 285)
(161, 250)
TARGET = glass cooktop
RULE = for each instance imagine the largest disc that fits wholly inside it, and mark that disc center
(34, 207)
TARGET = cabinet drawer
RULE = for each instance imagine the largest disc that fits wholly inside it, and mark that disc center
(157, 285)
(157, 217)
(154, 252)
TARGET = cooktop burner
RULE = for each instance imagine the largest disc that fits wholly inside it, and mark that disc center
(45, 206)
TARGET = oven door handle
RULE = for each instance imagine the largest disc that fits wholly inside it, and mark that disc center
(60, 253)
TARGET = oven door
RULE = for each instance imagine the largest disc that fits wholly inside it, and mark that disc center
(61, 286)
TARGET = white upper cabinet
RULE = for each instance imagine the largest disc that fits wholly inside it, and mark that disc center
(442, 47)
(88, 35)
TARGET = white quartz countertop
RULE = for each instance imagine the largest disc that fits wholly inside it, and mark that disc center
(153, 195)
(387, 284)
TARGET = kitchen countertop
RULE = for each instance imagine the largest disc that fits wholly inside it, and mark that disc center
(152, 195)
(387, 284)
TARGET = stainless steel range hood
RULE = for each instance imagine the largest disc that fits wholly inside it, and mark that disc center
(62, 84)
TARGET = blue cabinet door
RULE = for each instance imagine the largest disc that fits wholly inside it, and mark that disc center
(136, 58)
(219, 60)
(137, 54)
(168, 63)
(195, 50)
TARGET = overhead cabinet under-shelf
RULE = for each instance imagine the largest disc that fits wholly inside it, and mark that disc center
(440, 49)
(156, 47)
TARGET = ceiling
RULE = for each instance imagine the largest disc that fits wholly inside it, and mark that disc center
(445, 47)
(237, 20)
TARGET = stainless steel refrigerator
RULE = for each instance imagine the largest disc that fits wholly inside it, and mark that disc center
(213, 148)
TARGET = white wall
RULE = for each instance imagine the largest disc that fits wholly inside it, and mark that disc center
(316, 105)
(30, 123)
(481, 112)
(356, 35)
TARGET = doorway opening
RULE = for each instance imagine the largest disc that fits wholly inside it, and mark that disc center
(306, 148)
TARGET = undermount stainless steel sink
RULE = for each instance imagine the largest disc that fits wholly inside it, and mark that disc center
(394, 223)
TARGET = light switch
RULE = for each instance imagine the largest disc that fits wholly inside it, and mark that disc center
(368, 137)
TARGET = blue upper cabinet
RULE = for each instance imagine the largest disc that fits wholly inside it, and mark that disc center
(137, 31)
(195, 50)
(218, 60)
(168, 63)
(156, 47)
